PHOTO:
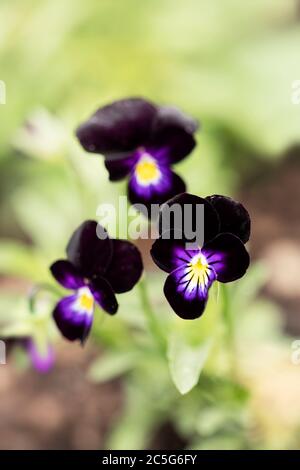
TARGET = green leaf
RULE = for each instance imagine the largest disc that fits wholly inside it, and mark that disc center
(186, 362)
(111, 366)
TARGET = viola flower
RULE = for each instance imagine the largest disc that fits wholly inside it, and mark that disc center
(141, 141)
(95, 269)
(41, 362)
(222, 256)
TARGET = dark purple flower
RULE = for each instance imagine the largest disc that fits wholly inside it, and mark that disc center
(141, 141)
(222, 256)
(95, 269)
(41, 361)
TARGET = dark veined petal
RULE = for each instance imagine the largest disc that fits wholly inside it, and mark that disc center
(174, 130)
(87, 252)
(169, 251)
(74, 315)
(234, 218)
(42, 361)
(227, 255)
(126, 266)
(167, 185)
(66, 274)
(180, 213)
(104, 295)
(121, 126)
(187, 293)
(119, 168)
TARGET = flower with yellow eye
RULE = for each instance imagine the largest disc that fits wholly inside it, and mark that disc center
(96, 269)
(141, 141)
(222, 256)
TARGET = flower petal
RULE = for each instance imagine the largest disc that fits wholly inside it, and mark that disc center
(234, 218)
(119, 168)
(42, 362)
(66, 274)
(227, 255)
(169, 251)
(167, 185)
(185, 294)
(121, 126)
(87, 252)
(174, 130)
(126, 266)
(104, 295)
(72, 319)
(187, 204)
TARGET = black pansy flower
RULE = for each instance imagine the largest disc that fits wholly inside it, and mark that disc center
(96, 269)
(222, 256)
(141, 141)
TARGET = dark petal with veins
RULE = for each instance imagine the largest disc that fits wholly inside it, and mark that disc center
(227, 255)
(186, 296)
(169, 251)
(66, 274)
(168, 186)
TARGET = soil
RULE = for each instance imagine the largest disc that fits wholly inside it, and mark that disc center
(272, 197)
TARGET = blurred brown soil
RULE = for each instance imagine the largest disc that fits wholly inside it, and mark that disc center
(273, 200)
(58, 410)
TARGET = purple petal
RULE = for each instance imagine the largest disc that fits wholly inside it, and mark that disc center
(186, 293)
(234, 218)
(169, 251)
(161, 188)
(74, 315)
(119, 168)
(227, 255)
(41, 362)
(121, 126)
(66, 274)
(87, 252)
(126, 266)
(104, 295)
(174, 130)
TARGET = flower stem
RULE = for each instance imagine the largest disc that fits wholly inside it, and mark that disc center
(153, 323)
(36, 290)
(229, 328)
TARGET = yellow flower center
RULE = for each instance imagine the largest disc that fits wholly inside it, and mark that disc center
(146, 170)
(86, 301)
(199, 269)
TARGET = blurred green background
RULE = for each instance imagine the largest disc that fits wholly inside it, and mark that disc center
(230, 64)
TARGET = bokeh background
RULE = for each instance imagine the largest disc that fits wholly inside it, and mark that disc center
(231, 64)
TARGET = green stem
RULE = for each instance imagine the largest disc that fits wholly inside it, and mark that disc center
(229, 328)
(36, 290)
(153, 323)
